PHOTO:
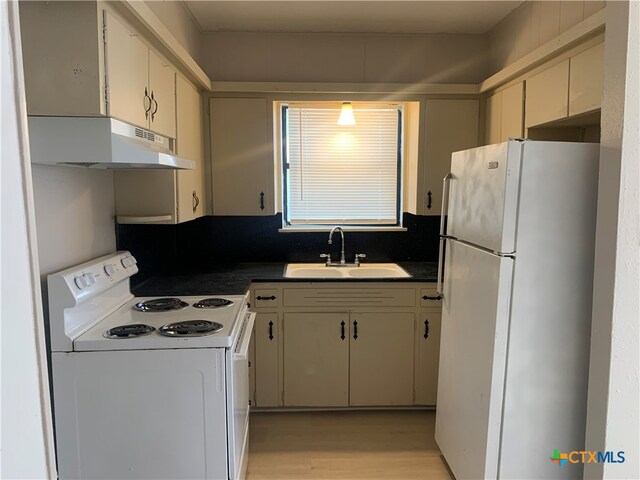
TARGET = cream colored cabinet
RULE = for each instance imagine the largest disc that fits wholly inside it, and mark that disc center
(81, 58)
(381, 359)
(241, 157)
(265, 368)
(451, 125)
(428, 355)
(566, 89)
(505, 114)
(190, 144)
(548, 95)
(140, 84)
(316, 359)
(168, 196)
(585, 80)
(335, 345)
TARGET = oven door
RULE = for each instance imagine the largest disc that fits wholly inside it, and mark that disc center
(238, 399)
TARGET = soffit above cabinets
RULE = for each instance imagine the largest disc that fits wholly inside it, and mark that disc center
(377, 17)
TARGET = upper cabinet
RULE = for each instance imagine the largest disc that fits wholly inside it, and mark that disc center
(451, 125)
(586, 80)
(168, 196)
(140, 85)
(505, 114)
(241, 156)
(571, 87)
(81, 59)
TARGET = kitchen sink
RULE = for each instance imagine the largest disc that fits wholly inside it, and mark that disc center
(365, 270)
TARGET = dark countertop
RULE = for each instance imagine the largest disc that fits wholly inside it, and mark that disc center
(236, 279)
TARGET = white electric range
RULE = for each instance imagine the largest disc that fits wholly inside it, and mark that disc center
(147, 387)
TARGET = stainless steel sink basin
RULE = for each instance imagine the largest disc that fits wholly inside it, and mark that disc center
(365, 270)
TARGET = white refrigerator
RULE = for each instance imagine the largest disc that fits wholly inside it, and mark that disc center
(515, 276)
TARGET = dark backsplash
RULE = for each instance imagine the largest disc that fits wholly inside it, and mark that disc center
(202, 244)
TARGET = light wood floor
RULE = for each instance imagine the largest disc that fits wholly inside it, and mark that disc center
(345, 445)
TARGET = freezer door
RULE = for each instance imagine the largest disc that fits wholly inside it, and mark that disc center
(473, 344)
(483, 197)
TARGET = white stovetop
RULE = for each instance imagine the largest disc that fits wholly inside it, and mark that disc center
(92, 339)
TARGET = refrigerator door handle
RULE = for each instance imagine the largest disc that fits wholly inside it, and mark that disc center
(446, 181)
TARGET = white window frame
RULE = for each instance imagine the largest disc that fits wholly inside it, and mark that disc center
(280, 112)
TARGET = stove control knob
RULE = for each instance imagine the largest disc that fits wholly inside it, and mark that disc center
(110, 269)
(81, 282)
(89, 278)
(128, 262)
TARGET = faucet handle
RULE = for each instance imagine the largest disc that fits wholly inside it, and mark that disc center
(358, 257)
(327, 256)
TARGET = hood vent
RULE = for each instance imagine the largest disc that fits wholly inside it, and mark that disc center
(100, 143)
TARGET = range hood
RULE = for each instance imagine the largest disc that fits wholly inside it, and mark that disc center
(100, 142)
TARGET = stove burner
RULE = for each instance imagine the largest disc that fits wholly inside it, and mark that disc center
(213, 303)
(160, 305)
(128, 331)
(190, 328)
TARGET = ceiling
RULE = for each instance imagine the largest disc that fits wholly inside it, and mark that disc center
(327, 16)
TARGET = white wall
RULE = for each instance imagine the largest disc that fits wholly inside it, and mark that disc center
(533, 24)
(286, 57)
(613, 411)
(26, 443)
(178, 20)
(75, 213)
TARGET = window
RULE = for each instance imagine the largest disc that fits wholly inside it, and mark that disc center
(341, 175)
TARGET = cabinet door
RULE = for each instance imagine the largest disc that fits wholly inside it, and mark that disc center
(585, 83)
(316, 360)
(190, 184)
(512, 112)
(428, 341)
(241, 157)
(451, 125)
(162, 90)
(127, 59)
(547, 95)
(381, 359)
(266, 363)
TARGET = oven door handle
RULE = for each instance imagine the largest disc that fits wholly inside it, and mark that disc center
(243, 344)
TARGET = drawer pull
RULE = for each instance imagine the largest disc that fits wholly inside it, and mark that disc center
(342, 330)
(272, 297)
(426, 329)
(427, 297)
(355, 329)
(270, 330)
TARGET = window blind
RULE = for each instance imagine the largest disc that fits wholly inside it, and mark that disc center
(341, 174)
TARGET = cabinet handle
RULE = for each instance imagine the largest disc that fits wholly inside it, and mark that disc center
(427, 297)
(261, 200)
(196, 201)
(355, 329)
(270, 330)
(272, 297)
(146, 97)
(342, 330)
(429, 200)
(155, 110)
(426, 329)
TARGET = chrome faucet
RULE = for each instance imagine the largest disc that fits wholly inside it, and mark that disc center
(342, 259)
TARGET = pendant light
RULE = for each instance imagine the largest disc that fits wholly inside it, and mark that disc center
(346, 115)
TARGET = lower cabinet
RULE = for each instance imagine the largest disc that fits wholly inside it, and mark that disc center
(266, 335)
(381, 359)
(332, 346)
(428, 355)
(316, 360)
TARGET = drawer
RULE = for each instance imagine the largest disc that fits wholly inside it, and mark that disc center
(265, 297)
(352, 297)
(430, 298)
